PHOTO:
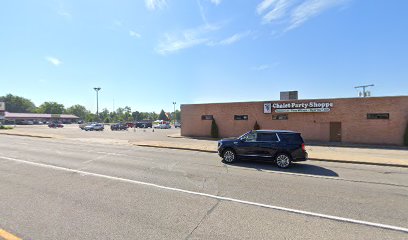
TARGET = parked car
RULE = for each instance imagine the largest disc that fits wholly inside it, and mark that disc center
(177, 125)
(282, 147)
(83, 125)
(55, 125)
(162, 126)
(144, 124)
(94, 127)
(119, 126)
(130, 124)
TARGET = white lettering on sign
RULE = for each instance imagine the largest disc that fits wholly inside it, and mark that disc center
(2, 106)
(289, 110)
(302, 107)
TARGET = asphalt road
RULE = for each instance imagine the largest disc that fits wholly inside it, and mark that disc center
(62, 189)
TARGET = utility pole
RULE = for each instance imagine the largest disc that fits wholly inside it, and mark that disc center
(97, 102)
(174, 113)
(365, 93)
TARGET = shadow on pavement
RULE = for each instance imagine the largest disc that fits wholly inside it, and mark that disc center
(300, 168)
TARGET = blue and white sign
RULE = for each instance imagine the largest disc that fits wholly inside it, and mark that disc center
(267, 107)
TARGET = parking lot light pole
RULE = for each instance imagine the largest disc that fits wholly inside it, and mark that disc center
(97, 102)
(174, 113)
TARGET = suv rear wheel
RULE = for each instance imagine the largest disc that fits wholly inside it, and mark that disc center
(283, 160)
(229, 155)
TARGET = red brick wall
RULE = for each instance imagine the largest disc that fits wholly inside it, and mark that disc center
(351, 112)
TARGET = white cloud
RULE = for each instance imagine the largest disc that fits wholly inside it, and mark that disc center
(53, 60)
(216, 2)
(261, 67)
(65, 14)
(202, 12)
(117, 23)
(230, 40)
(265, 4)
(187, 39)
(264, 67)
(294, 12)
(309, 9)
(134, 34)
(155, 4)
(273, 10)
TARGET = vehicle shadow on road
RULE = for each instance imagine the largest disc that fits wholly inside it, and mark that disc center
(299, 168)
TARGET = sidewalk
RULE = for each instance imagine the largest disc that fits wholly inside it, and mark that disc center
(356, 155)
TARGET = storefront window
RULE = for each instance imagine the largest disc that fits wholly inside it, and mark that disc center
(207, 117)
(378, 116)
(240, 117)
(280, 117)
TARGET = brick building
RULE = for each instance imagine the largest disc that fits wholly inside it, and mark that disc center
(373, 120)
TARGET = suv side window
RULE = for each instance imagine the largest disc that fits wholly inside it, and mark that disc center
(250, 137)
(267, 137)
(294, 138)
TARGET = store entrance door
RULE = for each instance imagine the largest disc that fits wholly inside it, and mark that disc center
(335, 131)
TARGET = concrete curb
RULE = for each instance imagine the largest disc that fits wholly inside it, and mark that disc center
(24, 135)
(312, 159)
(177, 148)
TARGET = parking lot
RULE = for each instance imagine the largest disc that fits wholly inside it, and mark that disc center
(72, 131)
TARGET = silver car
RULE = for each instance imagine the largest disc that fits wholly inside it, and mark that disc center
(94, 127)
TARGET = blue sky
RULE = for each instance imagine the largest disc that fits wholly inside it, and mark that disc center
(148, 53)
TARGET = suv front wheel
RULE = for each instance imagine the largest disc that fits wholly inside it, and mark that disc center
(229, 156)
(283, 160)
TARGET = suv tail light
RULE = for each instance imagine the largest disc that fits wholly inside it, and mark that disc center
(303, 147)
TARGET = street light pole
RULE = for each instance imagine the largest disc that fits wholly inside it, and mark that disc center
(97, 101)
(174, 117)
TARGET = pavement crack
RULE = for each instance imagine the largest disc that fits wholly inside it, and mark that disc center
(203, 219)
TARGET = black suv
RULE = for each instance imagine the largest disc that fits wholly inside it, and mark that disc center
(119, 126)
(144, 124)
(283, 147)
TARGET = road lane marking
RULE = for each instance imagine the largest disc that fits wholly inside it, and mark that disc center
(316, 176)
(296, 211)
(7, 236)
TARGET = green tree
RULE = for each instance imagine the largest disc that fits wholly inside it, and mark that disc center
(136, 116)
(162, 116)
(107, 120)
(214, 129)
(18, 104)
(78, 110)
(51, 108)
(104, 114)
(178, 115)
(90, 117)
(127, 109)
(152, 116)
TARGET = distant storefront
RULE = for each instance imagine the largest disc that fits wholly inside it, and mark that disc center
(38, 117)
(373, 120)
